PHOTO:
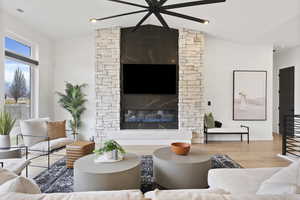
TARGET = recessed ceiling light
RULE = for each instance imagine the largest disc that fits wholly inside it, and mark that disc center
(206, 22)
(93, 20)
(20, 10)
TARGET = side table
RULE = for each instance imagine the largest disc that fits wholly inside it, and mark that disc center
(77, 150)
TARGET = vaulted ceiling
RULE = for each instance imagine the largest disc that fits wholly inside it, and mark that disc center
(247, 21)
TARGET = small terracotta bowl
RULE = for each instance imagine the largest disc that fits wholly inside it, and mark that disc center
(180, 148)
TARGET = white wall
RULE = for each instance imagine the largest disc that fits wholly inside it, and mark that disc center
(282, 59)
(44, 74)
(75, 63)
(221, 58)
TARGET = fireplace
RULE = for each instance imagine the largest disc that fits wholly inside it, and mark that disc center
(149, 96)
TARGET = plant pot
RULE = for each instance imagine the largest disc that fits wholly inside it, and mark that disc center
(111, 155)
(4, 141)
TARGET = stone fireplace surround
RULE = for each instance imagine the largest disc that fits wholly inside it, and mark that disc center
(191, 105)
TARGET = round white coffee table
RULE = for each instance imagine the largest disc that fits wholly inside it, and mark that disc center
(122, 175)
(181, 172)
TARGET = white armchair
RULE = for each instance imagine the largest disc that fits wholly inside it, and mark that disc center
(35, 136)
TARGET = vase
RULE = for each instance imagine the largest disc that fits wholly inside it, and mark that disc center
(111, 155)
(4, 141)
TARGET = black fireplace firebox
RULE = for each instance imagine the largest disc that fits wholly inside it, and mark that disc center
(149, 78)
(149, 96)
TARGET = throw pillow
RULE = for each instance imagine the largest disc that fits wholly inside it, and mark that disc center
(209, 120)
(285, 181)
(6, 175)
(56, 129)
(34, 127)
(20, 185)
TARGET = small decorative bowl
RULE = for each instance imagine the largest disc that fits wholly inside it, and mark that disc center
(180, 148)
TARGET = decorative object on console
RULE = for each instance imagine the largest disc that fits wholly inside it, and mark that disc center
(180, 148)
(6, 125)
(209, 120)
(73, 101)
(218, 124)
(110, 151)
(157, 8)
(249, 95)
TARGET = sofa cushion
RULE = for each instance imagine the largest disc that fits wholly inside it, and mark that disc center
(20, 184)
(285, 181)
(181, 194)
(56, 129)
(6, 175)
(54, 144)
(227, 130)
(101, 195)
(15, 165)
(34, 127)
(239, 181)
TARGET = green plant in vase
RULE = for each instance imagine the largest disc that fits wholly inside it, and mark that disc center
(110, 149)
(6, 125)
(73, 101)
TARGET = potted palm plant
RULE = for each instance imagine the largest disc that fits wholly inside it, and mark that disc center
(110, 150)
(6, 125)
(73, 101)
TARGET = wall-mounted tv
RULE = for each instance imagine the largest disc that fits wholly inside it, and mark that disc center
(149, 79)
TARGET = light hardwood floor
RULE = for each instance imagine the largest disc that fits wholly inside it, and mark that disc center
(254, 155)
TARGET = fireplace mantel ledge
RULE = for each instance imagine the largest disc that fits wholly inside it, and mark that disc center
(150, 136)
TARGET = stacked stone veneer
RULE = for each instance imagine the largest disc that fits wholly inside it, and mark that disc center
(191, 101)
(191, 106)
(107, 80)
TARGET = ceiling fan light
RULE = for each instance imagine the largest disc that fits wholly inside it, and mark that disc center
(206, 22)
(93, 20)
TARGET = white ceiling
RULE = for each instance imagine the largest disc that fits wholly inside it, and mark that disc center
(251, 21)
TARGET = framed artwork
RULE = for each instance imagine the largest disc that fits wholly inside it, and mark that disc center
(249, 95)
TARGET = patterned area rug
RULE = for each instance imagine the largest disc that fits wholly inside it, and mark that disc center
(60, 179)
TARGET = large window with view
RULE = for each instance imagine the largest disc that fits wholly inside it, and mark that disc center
(18, 79)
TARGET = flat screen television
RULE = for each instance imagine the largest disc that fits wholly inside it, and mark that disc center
(149, 79)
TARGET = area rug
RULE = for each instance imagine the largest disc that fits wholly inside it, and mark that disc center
(60, 179)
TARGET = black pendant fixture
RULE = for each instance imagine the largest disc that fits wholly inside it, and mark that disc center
(157, 8)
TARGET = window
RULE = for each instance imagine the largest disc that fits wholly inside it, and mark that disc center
(17, 47)
(18, 79)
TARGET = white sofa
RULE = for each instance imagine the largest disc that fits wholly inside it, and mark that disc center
(226, 184)
(239, 181)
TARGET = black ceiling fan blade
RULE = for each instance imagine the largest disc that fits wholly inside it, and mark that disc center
(142, 21)
(120, 15)
(161, 20)
(183, 16)
(194, 3)
(129, 3)
(162, 2)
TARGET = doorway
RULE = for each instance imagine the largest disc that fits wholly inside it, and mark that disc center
(286, 97)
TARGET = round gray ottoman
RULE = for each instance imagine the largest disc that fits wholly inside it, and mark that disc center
(181, 172)
(122, 175)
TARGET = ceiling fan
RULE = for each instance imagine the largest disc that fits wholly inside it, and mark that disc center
(157, 8)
